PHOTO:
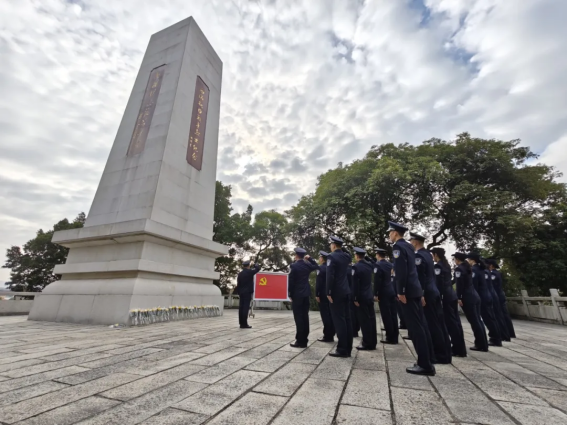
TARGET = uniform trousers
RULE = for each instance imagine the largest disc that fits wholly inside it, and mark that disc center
(389, 313)
(328, 326)
(472, 312)
(416, 323)
(489, 319)
(300, 308)
(502, 326)
(400, 308)
(433, 311)
(508, 320)
(354, 319)
(367, 320)
(454, 327)
(340, 312)
(244, 308)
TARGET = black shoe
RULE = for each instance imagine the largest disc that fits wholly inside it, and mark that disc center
(459, 356)
(245, 326)
(364, 348)
(474, 348)
(339, 355)
(406, 337)
(416, 369)
(387, 342)
(296, 345)
(495, 344)
(325, 340)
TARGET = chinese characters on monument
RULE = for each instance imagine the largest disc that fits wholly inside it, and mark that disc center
(142, 128)
(198, 125)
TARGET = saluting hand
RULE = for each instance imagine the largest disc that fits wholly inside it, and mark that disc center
(402, 298)
(330, 299)
(318, 300)
(356, 304)
(460, 302)
(422, 301)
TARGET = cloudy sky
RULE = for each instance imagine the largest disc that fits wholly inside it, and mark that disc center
(306, 84)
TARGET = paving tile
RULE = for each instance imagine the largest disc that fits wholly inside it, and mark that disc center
(221, 370)
(272, 362)
(11, 384)
(219, 356)
(334, 368)
(252, 409)
(33, 355)
(553, 397)
(312, 355)
(370, 360)
(426, 407)
(534, 414)
(164, 364)
(286, 381)
(6, 369)
(55, 365)
(73, 413)
(349, 415)
(145, 406)
(314, 403)
(34, 406)
(118, 358)
(367, 388)
(523, 376)
(171, 416)
(147, 384)
(80, 352)
(28, 392)
(214, 398)
(400, 378)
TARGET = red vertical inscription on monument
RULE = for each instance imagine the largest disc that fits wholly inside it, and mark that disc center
(198, 125)
(144, 120)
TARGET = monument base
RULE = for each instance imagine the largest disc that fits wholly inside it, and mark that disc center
(109, 301)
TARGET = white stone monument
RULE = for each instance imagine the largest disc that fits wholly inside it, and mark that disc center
(147, 241)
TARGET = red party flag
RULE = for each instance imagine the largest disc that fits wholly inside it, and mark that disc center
(270, 286)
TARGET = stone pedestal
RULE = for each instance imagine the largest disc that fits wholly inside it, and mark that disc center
(147, 241)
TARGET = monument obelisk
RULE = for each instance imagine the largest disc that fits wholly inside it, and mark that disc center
(147, 241)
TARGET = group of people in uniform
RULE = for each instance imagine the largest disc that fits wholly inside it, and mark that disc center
(417, 287)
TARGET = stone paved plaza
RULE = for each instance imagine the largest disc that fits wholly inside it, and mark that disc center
(210, 371)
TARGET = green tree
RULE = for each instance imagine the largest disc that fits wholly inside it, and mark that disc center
(269, 239)
(32, 266)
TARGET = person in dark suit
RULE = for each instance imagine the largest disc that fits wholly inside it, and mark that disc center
(450, 302)
(410, 294)
(245, 289)
(486, 310)
(321, 296)
(353, 315)
(470, 301)
(364, 300)
(299, 291)
(496, 278)
(496, 307)
(385, 295)
(339, 295)
(433, 309)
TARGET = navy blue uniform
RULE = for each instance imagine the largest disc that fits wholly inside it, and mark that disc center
(364, 296)
(496, 278)
(433, 309)
(387, 299)
(245, 289)
(502, 327)
(339, 290)
(468, 295)
(324, 309)
(353, 315)
(450, 309)
(299, 291)
(486, 309)
(408, 285)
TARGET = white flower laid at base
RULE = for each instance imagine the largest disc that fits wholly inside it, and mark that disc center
(173, 313)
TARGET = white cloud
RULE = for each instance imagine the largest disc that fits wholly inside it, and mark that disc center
(305, 85)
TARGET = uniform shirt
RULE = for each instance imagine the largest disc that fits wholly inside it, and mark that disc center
(444, 284)
(321, 283)
(496, 278)
(426, 275)
(407, 282)
(245, 280)
(465, 287)
(479, 283)
(362, 281)
(383, 282)
(298, 285)
(337, 278)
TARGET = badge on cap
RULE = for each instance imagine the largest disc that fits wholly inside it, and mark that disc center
(396, 253)
(376, 270)
(329, 262)
(494, 277)
(418, 261)
(437, 271)
(458, 274)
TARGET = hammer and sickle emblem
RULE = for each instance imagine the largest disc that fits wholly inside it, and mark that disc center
(263, 281)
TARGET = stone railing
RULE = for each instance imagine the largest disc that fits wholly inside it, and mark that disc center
(232, 301)
(551, 309)
(20, 304)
